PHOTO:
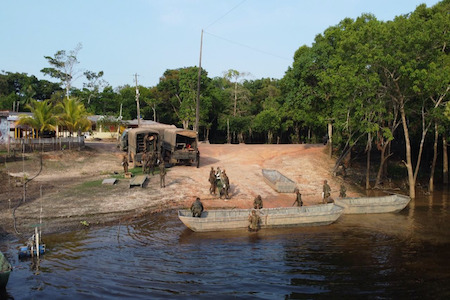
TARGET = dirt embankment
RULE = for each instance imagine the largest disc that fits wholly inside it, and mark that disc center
(72, 193)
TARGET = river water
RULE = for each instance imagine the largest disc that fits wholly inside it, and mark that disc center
(385, 256)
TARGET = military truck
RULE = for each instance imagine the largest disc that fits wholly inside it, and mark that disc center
(180, 146)
(123, 141)
(136, 144)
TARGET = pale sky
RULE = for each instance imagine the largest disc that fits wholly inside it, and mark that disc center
(147, 37)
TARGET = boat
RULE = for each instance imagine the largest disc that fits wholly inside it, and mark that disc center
(5, 270)
(373, 205)
(232, 219)
(278, 181)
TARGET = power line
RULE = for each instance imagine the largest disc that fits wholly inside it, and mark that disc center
(249, 47)
(217, 20)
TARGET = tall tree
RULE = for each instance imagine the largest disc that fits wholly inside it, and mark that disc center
(63, 67)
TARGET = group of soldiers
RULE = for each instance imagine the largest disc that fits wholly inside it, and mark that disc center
(219, 180)
(150, 159)
(326, 192)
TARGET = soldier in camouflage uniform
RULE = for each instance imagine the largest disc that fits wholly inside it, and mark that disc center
(212, 181)
(253, 220)
(162, 174)
(298, 199)
(343, 191)
(257, 203)
(144, 160)
(125, 164)
(226, 185)
(197, 208)
(326, 192)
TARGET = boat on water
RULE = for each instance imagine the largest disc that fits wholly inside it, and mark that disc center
(278, 181)
(5, 270)
(373, 205)
(231, 219)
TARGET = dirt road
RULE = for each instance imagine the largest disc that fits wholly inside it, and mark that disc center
(72, 194)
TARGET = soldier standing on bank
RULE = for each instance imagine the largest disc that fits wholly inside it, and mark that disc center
(212, 181)
(343, 191)
(298, 200)
(144, 161)
(151, 162)
(197, 208)
(257, 203)
(326, 192)
(226, 184)
(125, 164)
(162, 174)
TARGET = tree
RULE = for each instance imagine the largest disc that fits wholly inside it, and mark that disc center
(267, 121)
(63, 67)
(73, 116)
(43, 117)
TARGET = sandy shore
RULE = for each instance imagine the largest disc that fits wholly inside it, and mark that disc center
(72, 195)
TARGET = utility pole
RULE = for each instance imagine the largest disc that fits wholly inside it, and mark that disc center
(197, 109)
(137, 102)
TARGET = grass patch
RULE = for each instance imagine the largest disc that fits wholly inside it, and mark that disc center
(91, 184)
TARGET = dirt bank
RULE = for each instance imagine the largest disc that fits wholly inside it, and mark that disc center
(72, 193)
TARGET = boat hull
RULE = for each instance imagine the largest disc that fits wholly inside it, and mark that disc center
(5, 270)
(278, 181)
(233, 219)
(373, 205)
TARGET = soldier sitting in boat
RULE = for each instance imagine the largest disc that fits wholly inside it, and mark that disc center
(257, 203)
(253, 220)
(298, 199)
(197, 208)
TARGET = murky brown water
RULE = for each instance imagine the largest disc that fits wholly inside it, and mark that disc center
(403, 255)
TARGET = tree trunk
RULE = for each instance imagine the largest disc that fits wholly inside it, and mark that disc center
(409, 167)
(444, 159)
(369, 149)
(269, 137)
(228, 132)
(330, 139)
(433, 164)
(383, 164)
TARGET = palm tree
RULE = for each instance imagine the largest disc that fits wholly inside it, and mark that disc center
(73, 115)
(42, 117)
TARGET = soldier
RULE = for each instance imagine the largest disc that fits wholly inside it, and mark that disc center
(343, 191)
(162, 174)
(212, 181)
(253, 220)
(219, 182)
(197, 208)
(144, 160)
(151, 162)
(226, 185)
(125, 164)
(257, 203)
(298, 199)
(326, 192)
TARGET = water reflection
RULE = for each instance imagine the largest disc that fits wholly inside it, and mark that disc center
(369, 256)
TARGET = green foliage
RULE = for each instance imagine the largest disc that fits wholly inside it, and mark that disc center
(73, 115)
(43, 117)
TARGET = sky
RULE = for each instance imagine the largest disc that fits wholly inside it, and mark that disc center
(122, 38)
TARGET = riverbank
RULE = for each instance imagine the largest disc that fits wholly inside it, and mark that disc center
(73, 196)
